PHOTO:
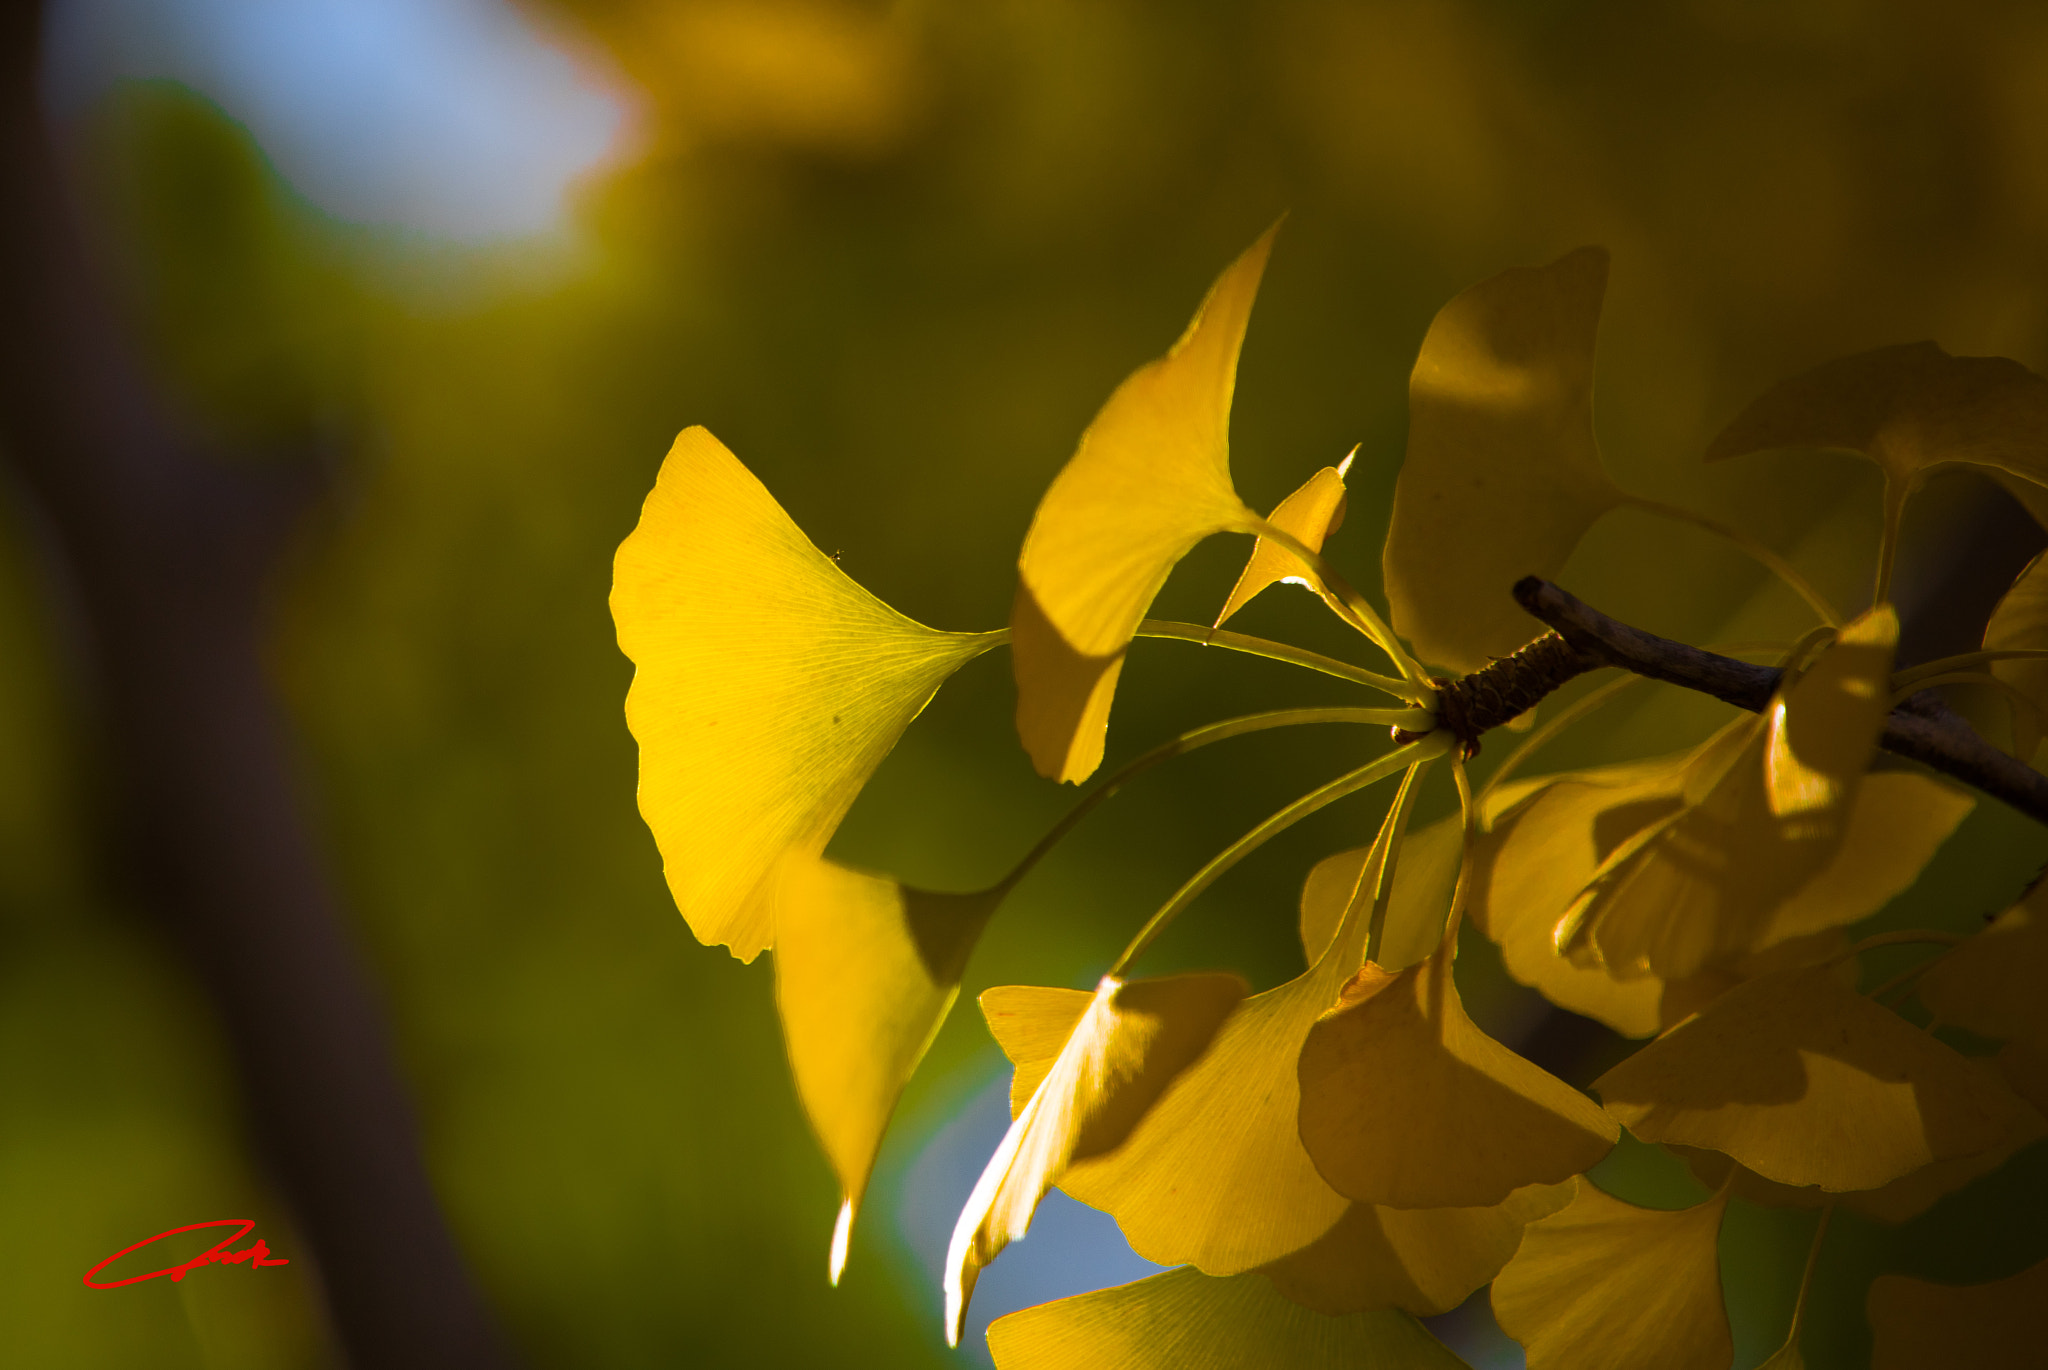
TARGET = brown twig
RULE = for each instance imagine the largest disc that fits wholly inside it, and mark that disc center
(1923, 728)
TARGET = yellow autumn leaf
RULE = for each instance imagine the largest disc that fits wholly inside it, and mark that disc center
(1605, 1285)
(1807, 1082)
(1424, 1261)
(1215, 1175)
(1309, 515)
(1911, 409)
(1993, 1326)
(1767, 808)
(1423, 879)
(2020, 623)
(866, 970)
(1996, 984)
(1132, 1039)
(1184, 1320)
(1548, 838)
(767, 686)
(1406, 1103)
(1502, 475)
(1150, 479)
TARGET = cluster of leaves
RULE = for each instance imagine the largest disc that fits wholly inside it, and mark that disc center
(1329, 1159)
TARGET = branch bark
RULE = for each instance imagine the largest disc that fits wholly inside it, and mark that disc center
(165, 550)
(1923, 728)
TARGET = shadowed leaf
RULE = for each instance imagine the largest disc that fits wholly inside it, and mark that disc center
(1605, 1285)
(1502, 475)
(2020, 622)
(1996, 984)
(1918, 1324)
(866, 970)
(1909, 408)
(1128, 1045)
(1807, 1082)
(1767, 806)
(1311, 514)
(1184, 1320)
(767, 686)
(1405, 1102)
(1150, 480)
(1422, 1260)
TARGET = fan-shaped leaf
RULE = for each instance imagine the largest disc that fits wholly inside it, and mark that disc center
(1310, 514)
(866, 970)
(1129, 1044)
(1605, 1285)
(1150, 480)
(1184, 1320)
(1405, 1102)
(767, 686)
(1807, 1082)
(1422, 1260)
(1502, 475)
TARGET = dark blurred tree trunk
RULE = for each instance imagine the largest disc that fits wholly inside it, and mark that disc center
(166, 552)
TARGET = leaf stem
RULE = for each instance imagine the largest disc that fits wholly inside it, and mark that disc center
(1820, 1232)
(1468, 816)
(1777, 565)
(1385, 859)
(1186, 742)
(1928, 669)
(1349, 783)
(1274, 651)
(1352, 605)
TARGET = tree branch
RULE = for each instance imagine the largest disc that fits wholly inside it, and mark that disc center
(1923, 728)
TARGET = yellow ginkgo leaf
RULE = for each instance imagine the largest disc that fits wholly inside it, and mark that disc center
(1909, 408)
(1424, 1261)
(767, 686)
(1406, 1103)
(1605, 1285)
(1423, 880)
(1150, 480)
(1215, 1175)
(1548, 838)
(866, 970)
(1807, 1082)
(1184, 1320)
(1130, 1042)
(2020, 623)
(1309, 515)
(1973, 1327)
(1996, 984)
(1502, 475)
(1767, 808)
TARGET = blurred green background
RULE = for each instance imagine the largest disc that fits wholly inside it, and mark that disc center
(895, 255)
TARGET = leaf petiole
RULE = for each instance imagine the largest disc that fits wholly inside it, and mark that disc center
(1275, 651)
(1428, 749)
(1771, 561)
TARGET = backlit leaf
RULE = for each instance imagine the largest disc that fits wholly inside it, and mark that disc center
(1150, 480)
(1988, 1326)
(767, 686)
(1767, 808)
(1807, 1082)
(1422, 1260)
(866, 970)
(2020, 622)
(1996, 984)
(1311, 514)
(1184, 1320)
(1215, 1175)
(1502, 475)
(1605, 1285)
(1129, 1044)
(1405, 1102)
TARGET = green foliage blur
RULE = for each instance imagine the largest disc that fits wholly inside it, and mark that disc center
(894, 256)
